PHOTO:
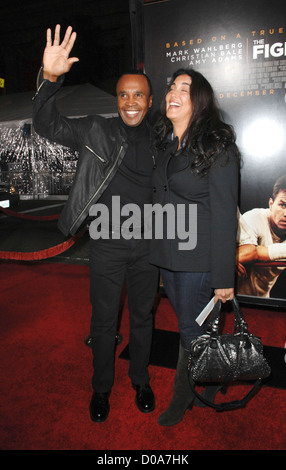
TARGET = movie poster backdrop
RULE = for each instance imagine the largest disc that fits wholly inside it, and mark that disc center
(240, 47)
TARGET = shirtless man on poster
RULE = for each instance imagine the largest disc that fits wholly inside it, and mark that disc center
(262, 239)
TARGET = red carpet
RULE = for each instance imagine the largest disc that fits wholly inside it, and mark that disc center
(46, 377)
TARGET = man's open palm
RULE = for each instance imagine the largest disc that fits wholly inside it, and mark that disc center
(56, 60)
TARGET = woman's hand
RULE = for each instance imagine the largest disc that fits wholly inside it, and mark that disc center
(224, 294)
(56, 61)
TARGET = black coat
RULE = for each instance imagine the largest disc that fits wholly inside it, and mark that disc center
(215, 198)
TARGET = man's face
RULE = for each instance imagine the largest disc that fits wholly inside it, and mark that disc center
(278, 212)
(133, 99)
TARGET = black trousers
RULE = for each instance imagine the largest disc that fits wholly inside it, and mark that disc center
(111, 263)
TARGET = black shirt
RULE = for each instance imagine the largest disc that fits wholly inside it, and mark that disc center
(132, 182)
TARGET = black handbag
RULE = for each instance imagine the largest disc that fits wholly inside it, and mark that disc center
(227, 358)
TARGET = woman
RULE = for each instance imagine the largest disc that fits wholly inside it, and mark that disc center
(197, 166)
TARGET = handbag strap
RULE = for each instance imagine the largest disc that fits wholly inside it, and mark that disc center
(230, 405)
(240, 325)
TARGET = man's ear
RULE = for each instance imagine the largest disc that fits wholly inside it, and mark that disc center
(150, 101)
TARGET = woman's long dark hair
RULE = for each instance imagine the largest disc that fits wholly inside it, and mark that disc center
(207, 135)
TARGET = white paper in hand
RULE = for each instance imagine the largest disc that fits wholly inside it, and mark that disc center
(205, 312)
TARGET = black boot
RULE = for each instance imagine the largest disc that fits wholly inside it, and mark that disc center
(183, 397)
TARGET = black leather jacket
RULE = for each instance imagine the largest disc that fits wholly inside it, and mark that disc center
(101, 144)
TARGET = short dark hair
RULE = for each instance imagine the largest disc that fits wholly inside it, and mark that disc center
(139, 72)
(280, 185)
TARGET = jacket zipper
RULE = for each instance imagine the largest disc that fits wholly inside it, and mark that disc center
(39, 86)
(98, 156)
(99, 188)
(38, 90)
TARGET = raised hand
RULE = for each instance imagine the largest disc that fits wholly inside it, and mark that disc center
(56, 60)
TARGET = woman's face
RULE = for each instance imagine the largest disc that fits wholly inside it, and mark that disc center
(178, 101)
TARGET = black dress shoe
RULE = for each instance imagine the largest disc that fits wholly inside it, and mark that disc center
(99, 407)
(145, 399)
